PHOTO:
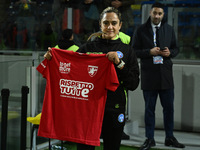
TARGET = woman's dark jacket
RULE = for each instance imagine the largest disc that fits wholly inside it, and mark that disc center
(128, 76)
(155, 76)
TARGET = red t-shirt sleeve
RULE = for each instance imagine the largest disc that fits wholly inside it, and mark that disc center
(42, 67)
(112, 82)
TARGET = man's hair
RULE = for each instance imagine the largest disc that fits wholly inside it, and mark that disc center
(67, 33)
(158, 5)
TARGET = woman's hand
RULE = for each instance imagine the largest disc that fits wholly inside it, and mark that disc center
(112, 56)
(48, 55)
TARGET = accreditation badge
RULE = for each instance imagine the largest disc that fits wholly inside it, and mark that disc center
(157, 60)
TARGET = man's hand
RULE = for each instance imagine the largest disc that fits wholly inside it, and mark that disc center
(155, 51)
(165, 52)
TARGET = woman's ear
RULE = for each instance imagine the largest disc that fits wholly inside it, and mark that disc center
(120, 25)
(72, 37)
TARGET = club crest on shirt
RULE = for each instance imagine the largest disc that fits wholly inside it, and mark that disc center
(64, 67)
(92, 70)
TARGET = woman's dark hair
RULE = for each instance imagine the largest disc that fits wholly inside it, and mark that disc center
(106, 10)
(110, 10)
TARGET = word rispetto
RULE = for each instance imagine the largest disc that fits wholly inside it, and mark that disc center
(75, 88)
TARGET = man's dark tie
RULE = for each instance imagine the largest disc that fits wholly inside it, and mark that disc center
(157, 37)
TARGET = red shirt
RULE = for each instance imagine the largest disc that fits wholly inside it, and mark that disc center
(75, 95)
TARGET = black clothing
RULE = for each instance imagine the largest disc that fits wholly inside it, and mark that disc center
(148, 144)
(157, 37)
(159, 76)
(157, 79)
(112, 130)
(65, 44)
(128, 76)
(172, 141)
(67, 34)
(167, 102)
(114, 115)
(84, 147)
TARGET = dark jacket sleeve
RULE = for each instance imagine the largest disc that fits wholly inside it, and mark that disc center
(174, 50)
(82, 49)
(129, 75)
(140, 49)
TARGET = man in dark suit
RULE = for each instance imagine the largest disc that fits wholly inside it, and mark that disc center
(155, 44)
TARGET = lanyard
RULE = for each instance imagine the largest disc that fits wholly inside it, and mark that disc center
(154, 38)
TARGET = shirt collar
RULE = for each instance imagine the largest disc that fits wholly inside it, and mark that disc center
(153, 26)
(117, 36)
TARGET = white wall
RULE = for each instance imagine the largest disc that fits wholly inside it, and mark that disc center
(186, 103)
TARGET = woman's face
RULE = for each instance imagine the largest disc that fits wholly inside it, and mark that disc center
(110, 26)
